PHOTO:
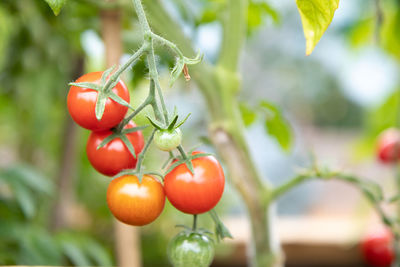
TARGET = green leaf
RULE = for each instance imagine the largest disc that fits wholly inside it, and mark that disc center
(99, 255)
(277, 126)
(24, 198)
(183, 121)
(248, 115)
(256, 13)
(56, 5)
(316, 15)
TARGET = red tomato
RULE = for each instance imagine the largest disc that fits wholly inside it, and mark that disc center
(389, 145)
(82, 102)
(114, 156)
(198, 193)
(133, 202)
(377, 248)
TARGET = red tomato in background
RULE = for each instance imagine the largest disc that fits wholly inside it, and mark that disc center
(198, 193)
(114, 156)
(133, 202)
(377, 248)
(389, 145)
(82, 102)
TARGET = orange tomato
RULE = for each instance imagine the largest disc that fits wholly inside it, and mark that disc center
(135, 203)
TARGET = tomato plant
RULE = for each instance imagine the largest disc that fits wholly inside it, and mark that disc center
(197, 192)
(168, 140)
(114, 156)
(191, 249)
(81, 103)
(133, 202)
(388, 148)
(377, 248)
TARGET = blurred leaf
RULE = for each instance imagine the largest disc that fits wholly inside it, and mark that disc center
(391, 32)
(24, 198)
(377, 120)
(28, 176)
(100, 256)
(248, 115)
(362, 32)
(256, 13)
(277, 126)
(56, 5)
(74, 251)
(316, 15)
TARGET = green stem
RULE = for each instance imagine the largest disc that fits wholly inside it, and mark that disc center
(194, 222)
(182, 151)
(114, 77)
(168, 43)
(141, 156)
(144, 24)
(153, 103)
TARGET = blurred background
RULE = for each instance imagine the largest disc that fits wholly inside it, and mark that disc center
(52, 202)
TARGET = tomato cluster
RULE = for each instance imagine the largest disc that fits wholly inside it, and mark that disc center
(377, 248)
(131, 200)
(388, 148)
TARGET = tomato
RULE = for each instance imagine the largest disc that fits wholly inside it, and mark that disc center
(191, 249)
(377, 248)
(389, 145)
(135, 203)
(198, 193)
(114, 156)
(82, 102)
(168, 140)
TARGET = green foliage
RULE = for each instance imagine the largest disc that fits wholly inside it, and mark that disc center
(56, 5)
(248, 114)
(316, 15)
(257, 12)
(277, 126)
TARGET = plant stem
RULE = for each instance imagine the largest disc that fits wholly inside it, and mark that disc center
(194, 222)
(168, 43)
(115, 76)
(141, 156)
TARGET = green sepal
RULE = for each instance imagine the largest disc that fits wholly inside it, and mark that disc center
(118, 99)
(221, 231)
(394, 198)
(100, 105)
(105, 74)
(172, 124)
(89, 85)
(134, 129)
(192, 61)
(128, 144)
(176, 71)
(183, 121)
(156, 125)
(107, 140)
(56, 5)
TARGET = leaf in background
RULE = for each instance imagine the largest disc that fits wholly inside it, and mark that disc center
(316, 15)
(56, 5)
(277, 126)
(24, 198)
(71, 247)
(100, 255)
(248, 115)
(256, 13)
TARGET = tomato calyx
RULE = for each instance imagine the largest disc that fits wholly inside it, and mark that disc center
(186, 160)
(221, 231)
(104, 92)
(122, 135)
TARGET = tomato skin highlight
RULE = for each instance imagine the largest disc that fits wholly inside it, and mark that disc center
(198, 193)
(388, 148)
(135, 203)
(191, 249)
(81, 104)
(114, 156)
(377, 248)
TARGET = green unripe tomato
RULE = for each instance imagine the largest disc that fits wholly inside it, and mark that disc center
(191, 249)
(168, 140)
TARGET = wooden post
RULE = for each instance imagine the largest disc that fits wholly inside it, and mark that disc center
(127, 238)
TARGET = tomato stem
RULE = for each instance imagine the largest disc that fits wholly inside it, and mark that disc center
(141, 155)
(194, 222)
